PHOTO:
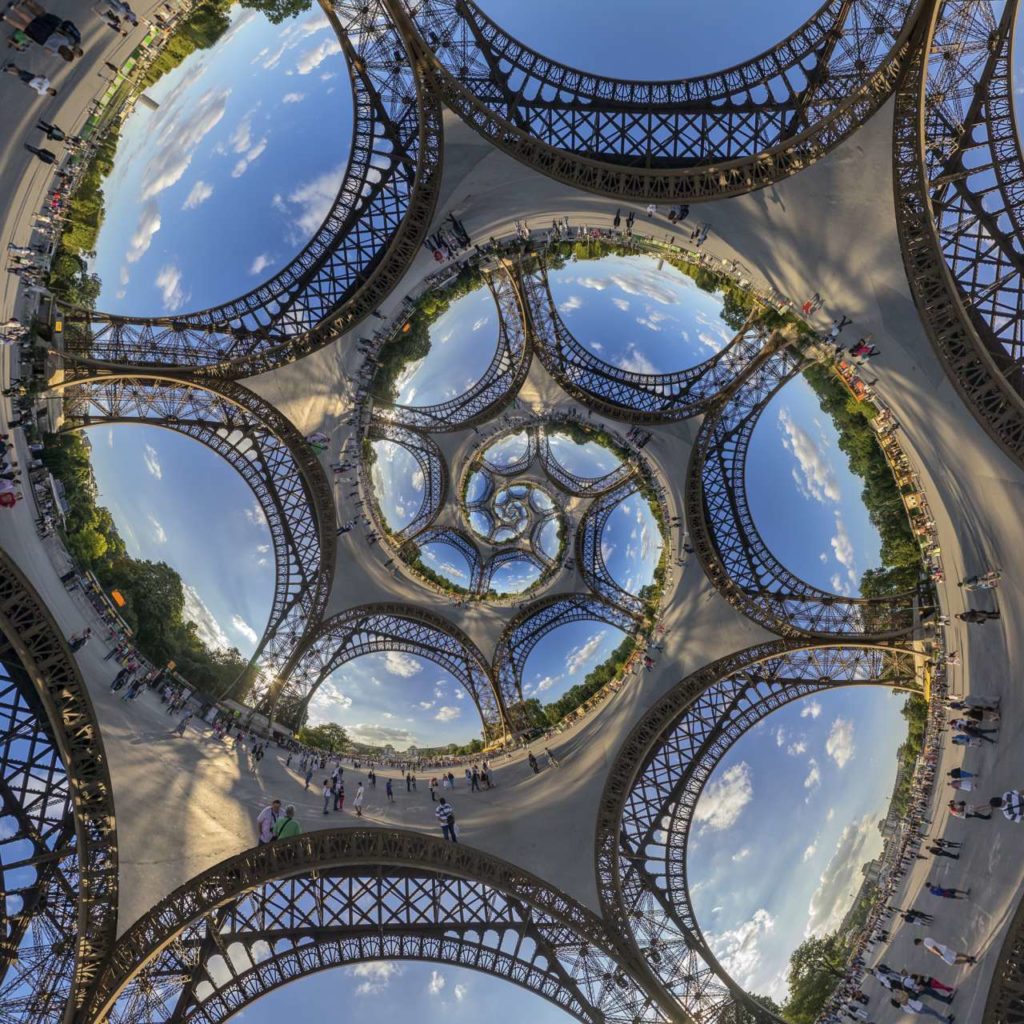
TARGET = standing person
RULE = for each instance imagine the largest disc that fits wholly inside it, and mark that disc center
(433, 788)
(977, 615)
(947, 953)
(451, 779)
(287, 826)
(182, 725)
(46, 155)
(389, 791)
(445, 815)
(960, 809)
(533, 763)
(1011, 803)
(959, 773)
(475, 780)
(357, 800)
(309, 776)
(947, 894)
(37, 83)
(78, 640)
(266, 820)
(939, 851)
(906, 1002)
(552, 760)
(328, 793)
(339, 796)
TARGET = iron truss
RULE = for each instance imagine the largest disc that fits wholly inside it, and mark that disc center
(432, 467)
(270, 455)
(58, 851)
(373, 629)
(729, 545)
(960, 207)
(653, 789)
(589, 554)
(637, 397)
(370, 236)
(499, 382)
(538, 619)
(331, 898)
(690, 139)
(1005, 1004)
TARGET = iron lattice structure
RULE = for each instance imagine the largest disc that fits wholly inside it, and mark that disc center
(329, 898)
(1005, 1004)
(58, 852)
(373, 629)
(959, 179)
(500, 381)
(730, 547)
(627, 394)
(357, 256)
(651, 795)
(269, 454)
(690, 139)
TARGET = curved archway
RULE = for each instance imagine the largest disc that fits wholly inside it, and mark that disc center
(697, 138)
(500, 381)
(330, 897)
(627, 394)
(58, 854)
(538, 619)
(657, 779)
(732, 552)
(378, 628)
(959, 175)
(369, 237)
(270, 455)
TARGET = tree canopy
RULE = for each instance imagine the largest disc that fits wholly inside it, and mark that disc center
(329, 736)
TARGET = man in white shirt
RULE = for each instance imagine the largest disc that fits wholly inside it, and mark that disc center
(947, 953)
(265, 821)
(1012, 805)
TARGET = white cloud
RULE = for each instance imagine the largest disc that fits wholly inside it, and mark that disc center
(376, 975)
(570, 304)
(147, 227)
(293, 97)
(545, 684)
(255, 515)
(813, 775)
(810, 851)
(259, 264)
(623, 304)
(842, 546)
(739, 949)
(159, 533)
(810, 709)
(243, 628)
(371, 732)
(858, 843)
(436, 983)
(399, 664)
(460, 992)
(722, 802)
(169, 283)
(201, 191)
(797, 748)
(310, 203)
(208, 629)
(447, 713)
(579, 655)
(839, 745)
(819, 480)
(312, 59)
(741, 855)
(153, 462)
(250, 157)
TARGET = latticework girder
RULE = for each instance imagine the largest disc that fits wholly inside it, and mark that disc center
(730, 547)
(270, 455)
(367, 241)
(960, 207)
(58, 851)
(648, 807)
(690, 139)
(375, 629)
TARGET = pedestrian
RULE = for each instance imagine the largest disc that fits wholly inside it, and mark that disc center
(389, 791)
(47, 156)
(357, 800)
(977, 615)
(182, 725)
(959, 773)
(533, 763)
(433, 787)
(904, 1001)
(1011, 803)
(938, 851)
(947, 894)
(266, 820)
(966, 785)
(339, 796)
(960, 809)
(287, 826)
(445, 815)
(309, 776)
(951, 956)
(328, 794)
(38, 83)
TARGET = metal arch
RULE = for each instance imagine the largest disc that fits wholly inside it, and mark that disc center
(502, 558)
(270, 455)
(431, 464)
(692, 139)
(960, 207)
(590, 557)
(538, 619)
(457, 540)
(729, 545)
(581, 486)
(55, 786)
(500, 381)
(364, 246)
(1005, 1003)
(202, 952)
(658, 777)
(376, 628)
(522, 464)
(638, 397)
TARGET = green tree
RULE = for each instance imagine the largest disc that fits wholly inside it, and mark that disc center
(330, 736)
(815, 967)
(277, 11)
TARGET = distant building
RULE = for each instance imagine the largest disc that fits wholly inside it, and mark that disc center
(148, 102)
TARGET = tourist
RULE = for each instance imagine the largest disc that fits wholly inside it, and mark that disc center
(445, 815)
(357, 801)
(328, 794)
(950, 955)
(45, 155)
(947, 894)
(286, 827)
(339, 795)
(266, 820)
(183, 724)
(79, 640)
(389, 791)
(433, 787)
(309, 776)
(552, 760)
(938, 851)
(1011, 803)
(533, 763)
(904, 1001)
(977, 615)
(960, 809)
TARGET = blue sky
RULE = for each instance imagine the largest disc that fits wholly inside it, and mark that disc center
(218, 161)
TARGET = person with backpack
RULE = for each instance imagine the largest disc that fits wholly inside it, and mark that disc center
(445, 815)
(286, 827)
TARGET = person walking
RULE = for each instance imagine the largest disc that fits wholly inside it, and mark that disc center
(552, 760)
(1011, 803)
(977, 615)
(959, 773)
(906, 1002)
(390, 792)
(960, 809)
(37, 83)
(328, 794)
(445, 815)
(433, 789)
(475, 780)
(339, 796)
(266, 820)
(287, 826)
(916, 917)
(946, 953)
(183, 724)
(938, 851)
(533, 763)
(46, 155)
(357, 800)
(947, 894)
(309, 776)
